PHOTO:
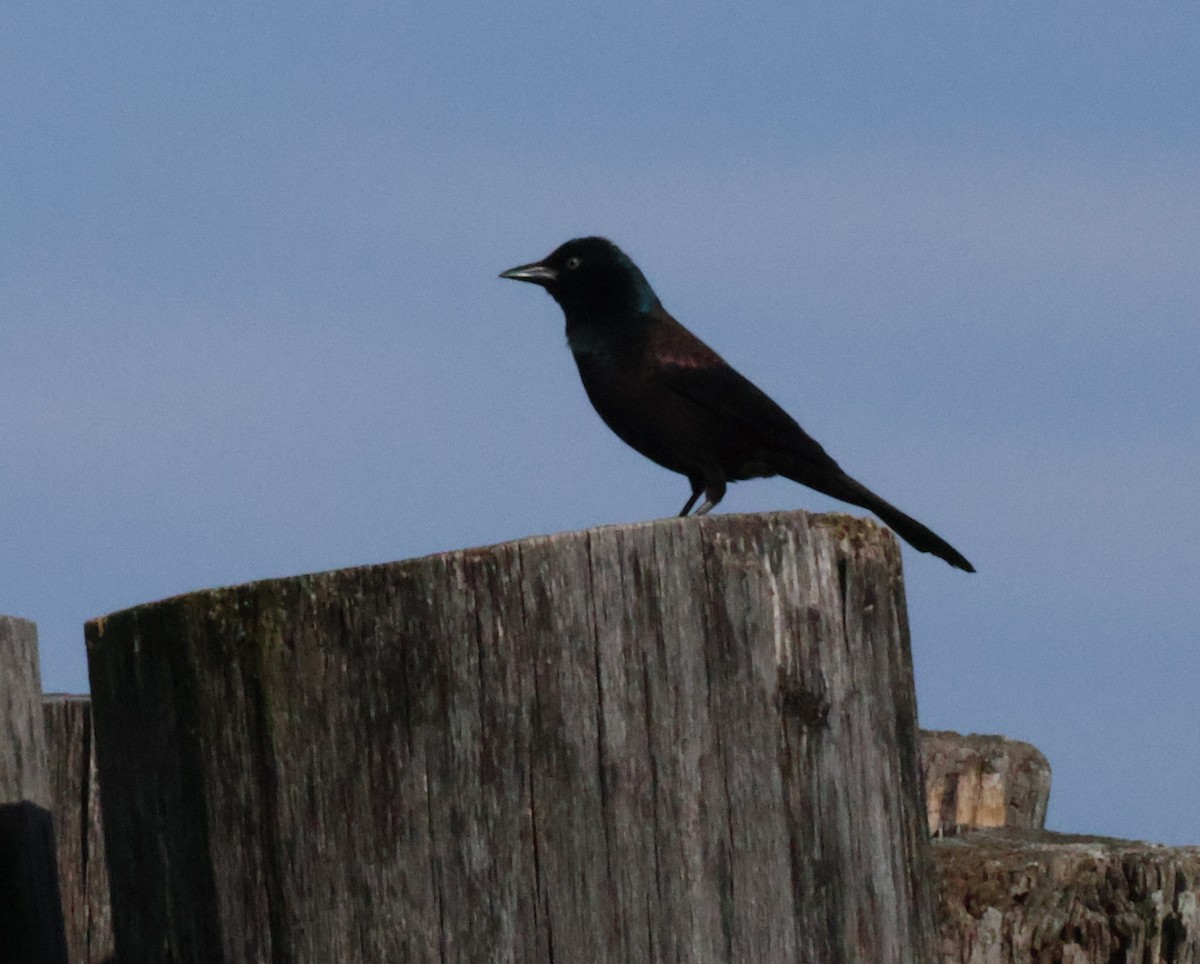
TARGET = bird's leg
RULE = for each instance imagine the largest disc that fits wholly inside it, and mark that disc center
(697, 491)
(714, 492)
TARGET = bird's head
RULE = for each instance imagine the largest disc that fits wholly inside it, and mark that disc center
(590, 278)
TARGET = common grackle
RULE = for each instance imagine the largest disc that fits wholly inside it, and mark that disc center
(675, 400)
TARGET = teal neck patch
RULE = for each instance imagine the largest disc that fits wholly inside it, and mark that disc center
(645, 298)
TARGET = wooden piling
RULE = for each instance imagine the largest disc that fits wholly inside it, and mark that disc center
(687, 740)
(31, 921)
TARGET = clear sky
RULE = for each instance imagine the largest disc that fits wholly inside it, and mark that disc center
(251, 324)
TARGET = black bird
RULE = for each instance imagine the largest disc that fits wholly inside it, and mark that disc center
(675, 400)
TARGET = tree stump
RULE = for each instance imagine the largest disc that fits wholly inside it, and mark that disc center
(687, 740)
(973, 782)
(1028, 897)
(75, 803)
(31, 924)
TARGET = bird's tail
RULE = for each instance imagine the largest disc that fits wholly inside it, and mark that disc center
(906, 527)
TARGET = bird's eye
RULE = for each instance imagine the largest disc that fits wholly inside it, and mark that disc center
(573, 263)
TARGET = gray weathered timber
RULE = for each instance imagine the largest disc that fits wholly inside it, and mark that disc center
(75, 803)
(687, 740)
(976, 781)
(31, 925)
(23, 770)
(1027, 897)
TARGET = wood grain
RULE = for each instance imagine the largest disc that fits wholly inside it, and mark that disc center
(687, 740)
(31, 923)
(75, 803)
(976, 781)
(1027, 897)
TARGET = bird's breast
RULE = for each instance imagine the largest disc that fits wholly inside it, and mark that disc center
(645, 413)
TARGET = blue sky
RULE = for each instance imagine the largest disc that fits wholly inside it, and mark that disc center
(252, 325)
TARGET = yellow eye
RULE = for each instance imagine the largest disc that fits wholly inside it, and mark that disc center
(574, 262)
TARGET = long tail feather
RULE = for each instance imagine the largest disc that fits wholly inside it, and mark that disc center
(920, 537)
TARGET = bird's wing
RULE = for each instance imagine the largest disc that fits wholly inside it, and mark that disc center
(735, 399)
(689, 367)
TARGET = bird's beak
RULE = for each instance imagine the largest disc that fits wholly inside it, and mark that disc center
(536, 273)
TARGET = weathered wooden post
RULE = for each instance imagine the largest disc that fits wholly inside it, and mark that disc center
(75, 803)
(687, 740)
(31, 923)
(974, 781)
(1018, 896)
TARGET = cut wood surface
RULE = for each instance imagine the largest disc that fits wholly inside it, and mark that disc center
(976, 781)
(31, 925)
(687, 740)
(1034, 897)
(75, 803)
